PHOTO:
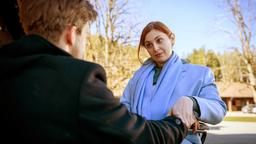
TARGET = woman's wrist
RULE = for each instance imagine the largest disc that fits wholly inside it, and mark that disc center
(196, 109)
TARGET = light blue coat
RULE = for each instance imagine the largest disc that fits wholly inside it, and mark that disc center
(184, 80)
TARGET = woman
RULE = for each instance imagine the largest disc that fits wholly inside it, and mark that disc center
(166, 83)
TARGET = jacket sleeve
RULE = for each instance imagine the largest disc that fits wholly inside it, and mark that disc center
(211, 106)
(103, 117)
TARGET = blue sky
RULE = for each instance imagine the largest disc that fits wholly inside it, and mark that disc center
(195, 23)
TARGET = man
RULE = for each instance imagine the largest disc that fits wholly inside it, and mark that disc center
(49, 95)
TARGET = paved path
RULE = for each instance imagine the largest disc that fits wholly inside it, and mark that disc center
(240, 114)
(232, 132)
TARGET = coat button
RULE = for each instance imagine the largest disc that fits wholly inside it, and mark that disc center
(177, 121)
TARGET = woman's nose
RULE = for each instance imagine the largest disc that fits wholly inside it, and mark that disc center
(155, 46)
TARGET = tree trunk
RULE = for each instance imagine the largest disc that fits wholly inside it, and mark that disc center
(245, 38)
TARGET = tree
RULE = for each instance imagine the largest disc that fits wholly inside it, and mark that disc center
(115, 25)
(110, 46)
(244, 18)
(198, 56)
(213, 62)
(206, 58)
(233, 67)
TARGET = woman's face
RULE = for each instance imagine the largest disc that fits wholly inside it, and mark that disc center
(159, 46)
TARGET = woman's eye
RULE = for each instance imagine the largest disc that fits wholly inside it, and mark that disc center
(148, 45)
(159, 40)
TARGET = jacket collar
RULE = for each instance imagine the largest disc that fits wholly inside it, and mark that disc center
(32, 45)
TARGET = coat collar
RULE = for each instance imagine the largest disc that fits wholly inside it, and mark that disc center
(32, 45)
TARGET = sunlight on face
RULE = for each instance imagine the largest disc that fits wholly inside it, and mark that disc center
(159, 46)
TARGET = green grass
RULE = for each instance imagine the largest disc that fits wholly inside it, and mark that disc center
(240, 119)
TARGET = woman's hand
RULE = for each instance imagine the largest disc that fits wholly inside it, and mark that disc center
(183, 108)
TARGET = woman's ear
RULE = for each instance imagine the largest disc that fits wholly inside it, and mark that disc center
(70, 36)
(172, 38)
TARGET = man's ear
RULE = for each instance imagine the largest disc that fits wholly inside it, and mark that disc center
(70, 36)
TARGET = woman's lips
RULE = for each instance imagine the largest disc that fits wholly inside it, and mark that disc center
(158, 54)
